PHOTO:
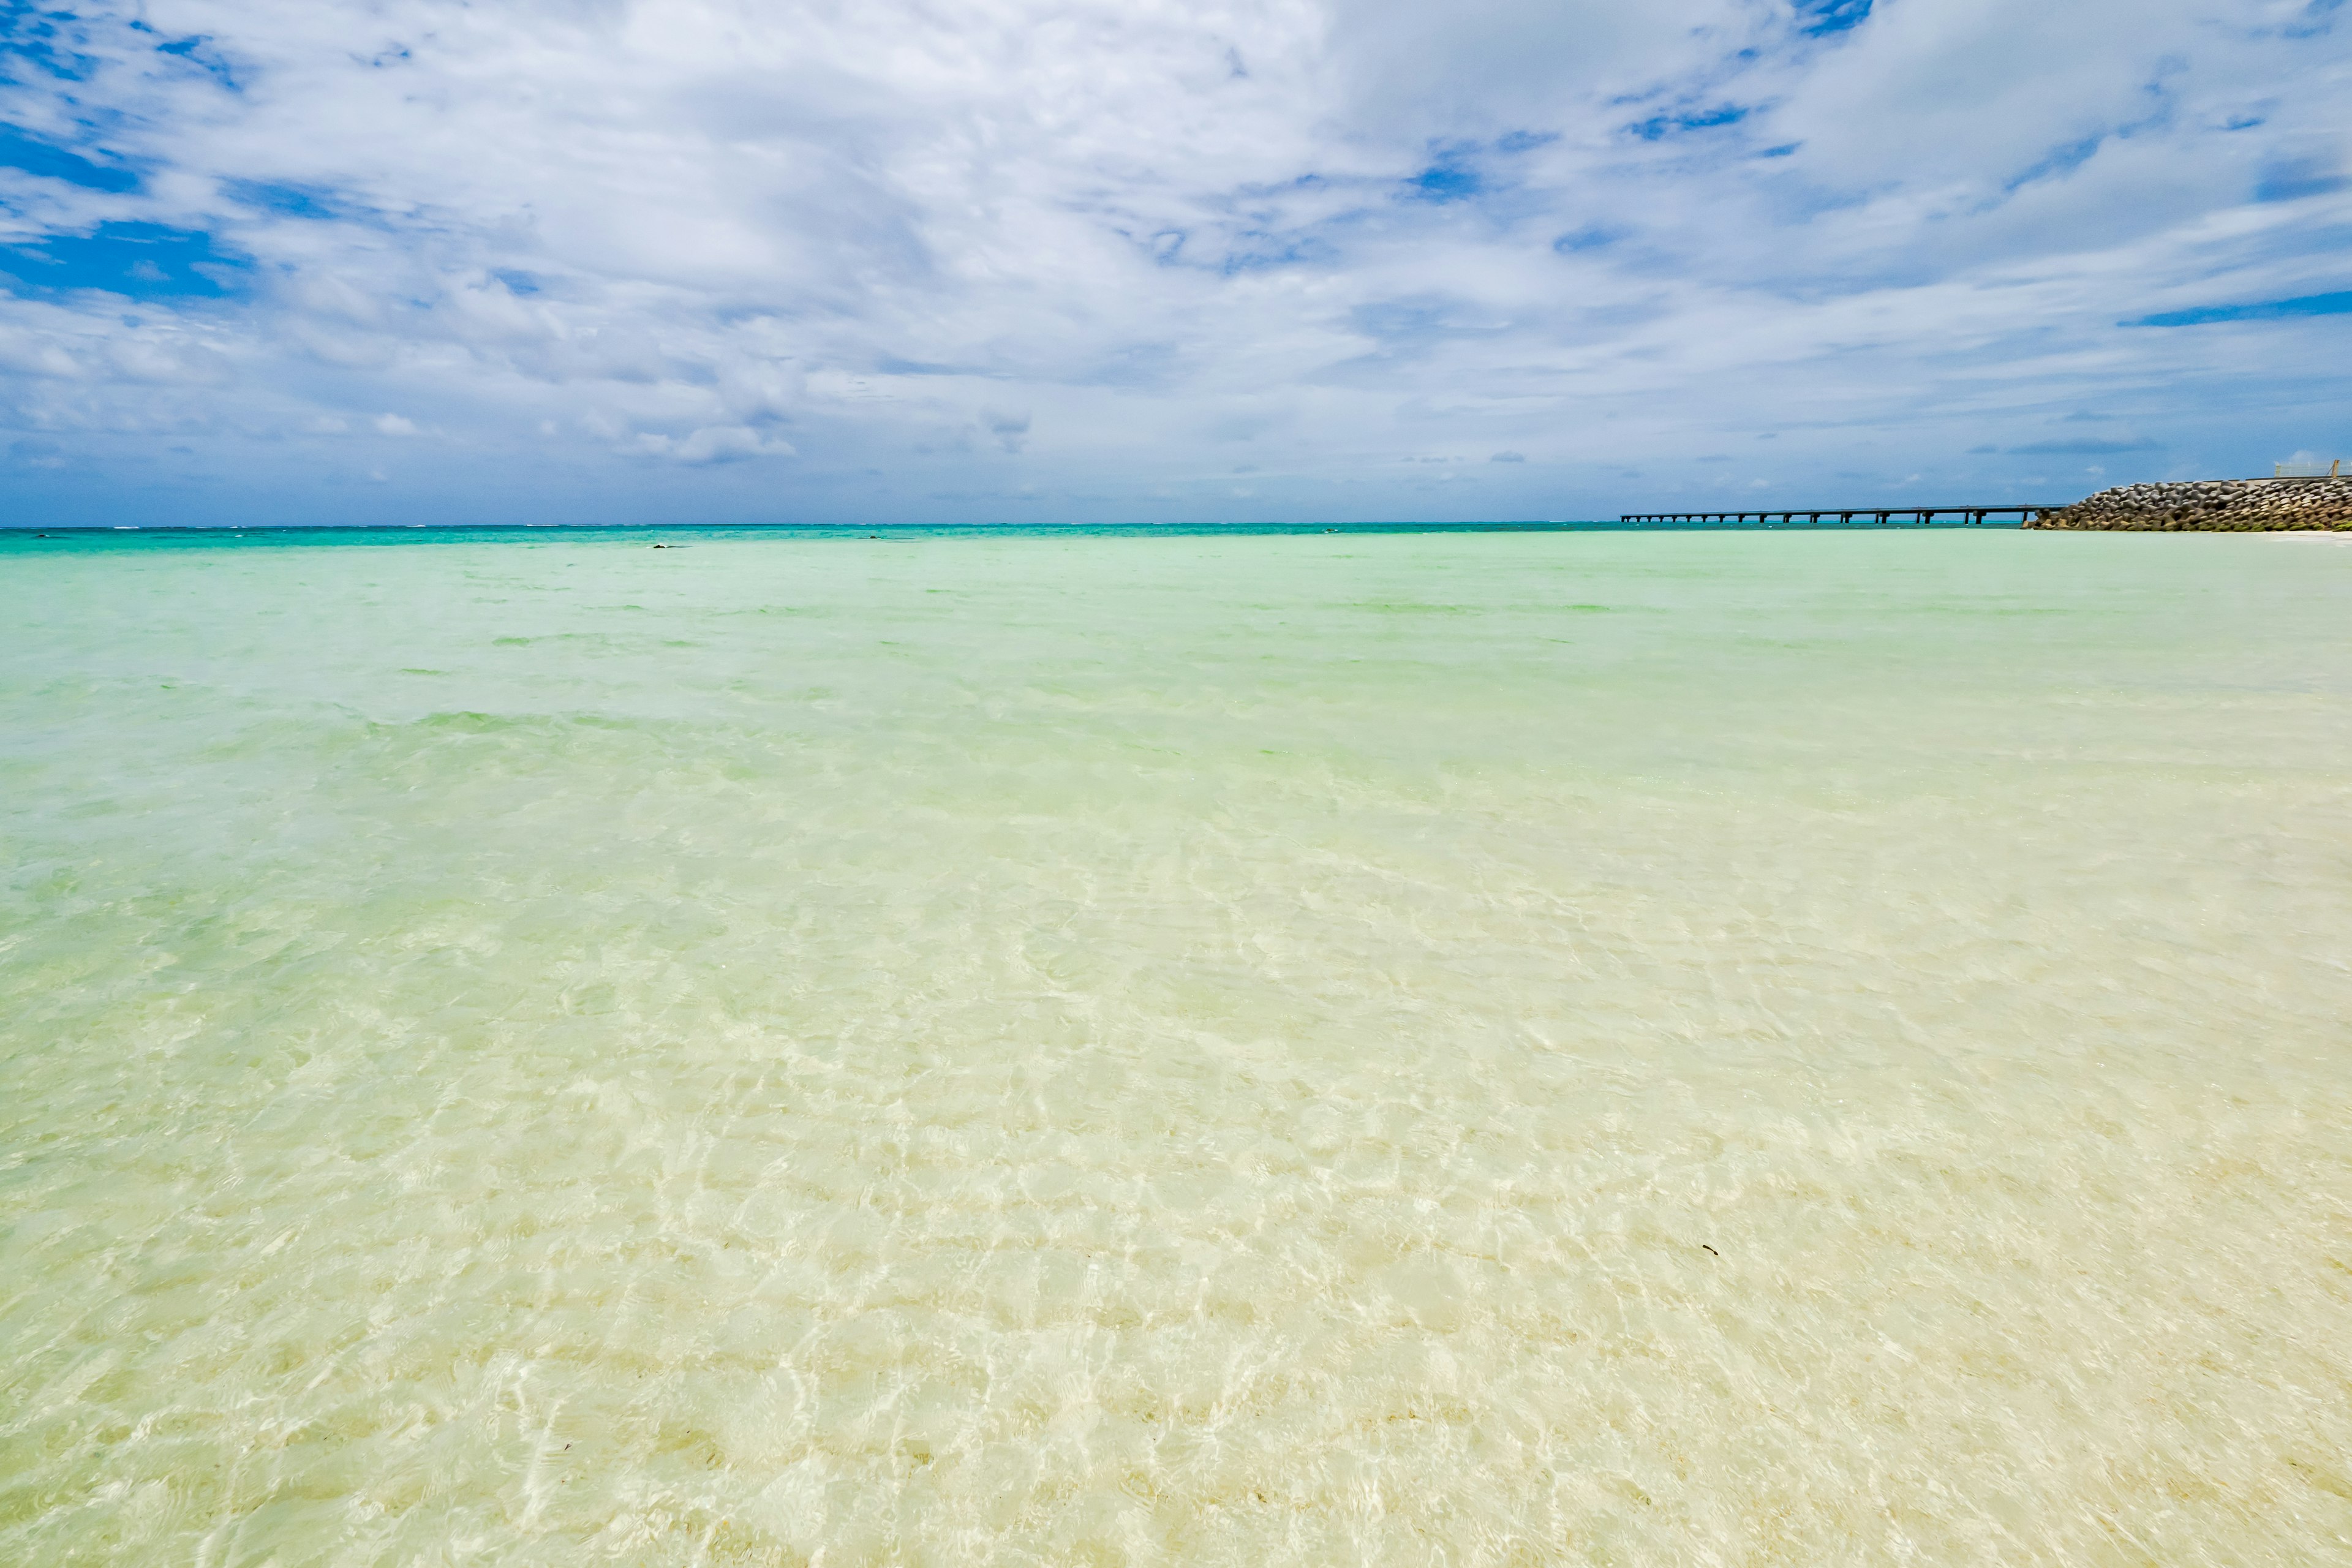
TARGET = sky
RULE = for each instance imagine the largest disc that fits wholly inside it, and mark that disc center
(722, 261)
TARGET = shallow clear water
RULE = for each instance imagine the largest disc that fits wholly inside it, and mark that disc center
(1465, 1048)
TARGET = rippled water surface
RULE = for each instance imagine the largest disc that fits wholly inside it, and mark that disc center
(1411, 1050)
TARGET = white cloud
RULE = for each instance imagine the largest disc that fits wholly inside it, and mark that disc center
(904, 242)
(711, 444)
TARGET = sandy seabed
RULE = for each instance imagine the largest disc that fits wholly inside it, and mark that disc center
(1783, 1048)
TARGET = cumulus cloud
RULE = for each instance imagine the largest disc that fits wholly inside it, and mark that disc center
(851, 261)
(711, 444)
(1009, 431)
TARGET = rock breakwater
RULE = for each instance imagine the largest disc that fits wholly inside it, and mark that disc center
(2212, 506)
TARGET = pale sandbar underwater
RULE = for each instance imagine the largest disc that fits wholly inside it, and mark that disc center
(1498, 1049)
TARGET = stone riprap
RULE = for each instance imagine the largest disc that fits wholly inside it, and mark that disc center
(2213, 505)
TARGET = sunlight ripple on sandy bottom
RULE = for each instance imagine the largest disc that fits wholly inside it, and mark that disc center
(1485, 1050)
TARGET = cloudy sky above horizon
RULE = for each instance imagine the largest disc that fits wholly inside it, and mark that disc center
(1053, 260)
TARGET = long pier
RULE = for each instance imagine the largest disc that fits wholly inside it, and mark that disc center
(1848, 513)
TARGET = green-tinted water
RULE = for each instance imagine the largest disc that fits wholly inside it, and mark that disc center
(1484, 1050)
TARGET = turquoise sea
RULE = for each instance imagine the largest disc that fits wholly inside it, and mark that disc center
(1237, 1047)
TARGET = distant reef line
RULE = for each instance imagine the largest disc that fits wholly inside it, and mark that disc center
(2212, 506)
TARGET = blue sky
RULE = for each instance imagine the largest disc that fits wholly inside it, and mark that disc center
(1053, 260)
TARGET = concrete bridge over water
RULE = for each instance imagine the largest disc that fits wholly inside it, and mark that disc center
(1922, 514)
